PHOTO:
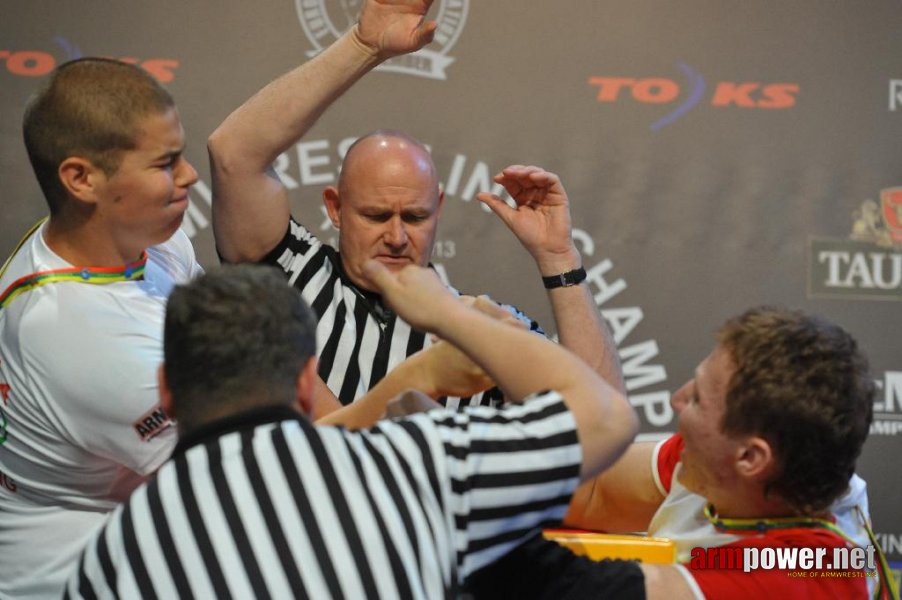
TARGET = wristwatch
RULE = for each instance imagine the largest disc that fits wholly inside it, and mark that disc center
(574, 277)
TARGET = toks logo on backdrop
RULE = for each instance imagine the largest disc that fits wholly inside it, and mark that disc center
(37, 63)
(326, 20)
(867, 266)
(666, 91)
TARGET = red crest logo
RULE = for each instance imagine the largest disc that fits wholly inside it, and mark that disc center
(891, 205)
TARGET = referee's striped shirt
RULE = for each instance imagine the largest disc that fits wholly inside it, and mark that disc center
(265, 505)
(358, 339)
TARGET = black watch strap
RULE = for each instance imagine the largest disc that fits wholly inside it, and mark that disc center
(574, 277)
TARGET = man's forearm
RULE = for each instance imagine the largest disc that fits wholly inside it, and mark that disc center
(250, 204)
(518, 361)
(253, 136)
(541, 222)
(417, 373)
(522, 363)
(581, 328)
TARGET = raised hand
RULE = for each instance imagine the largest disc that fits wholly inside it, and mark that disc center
(541, 219)
(394, 27)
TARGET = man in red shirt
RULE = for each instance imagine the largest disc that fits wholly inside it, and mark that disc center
(770, 428)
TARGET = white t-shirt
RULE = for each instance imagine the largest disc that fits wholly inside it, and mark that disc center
(681, 516)
(81, 425)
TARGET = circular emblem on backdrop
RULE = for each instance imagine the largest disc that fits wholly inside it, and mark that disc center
(325, 20)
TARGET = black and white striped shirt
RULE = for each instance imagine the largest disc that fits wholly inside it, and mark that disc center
(358, 339)
(264, 504)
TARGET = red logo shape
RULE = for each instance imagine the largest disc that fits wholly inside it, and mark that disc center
(891, 205)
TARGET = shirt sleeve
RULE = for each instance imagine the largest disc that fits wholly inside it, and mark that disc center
(300, 254)
(512, 470)
(98, 380)
(664, 461)
(184, 258)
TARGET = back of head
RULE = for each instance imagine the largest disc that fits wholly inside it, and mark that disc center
(802, 384)
(90, 108)
(235, 339)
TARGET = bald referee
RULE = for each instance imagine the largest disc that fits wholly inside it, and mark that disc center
(386, 207)
(257, 502)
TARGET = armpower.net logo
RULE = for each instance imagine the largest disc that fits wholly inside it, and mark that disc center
(798, 562)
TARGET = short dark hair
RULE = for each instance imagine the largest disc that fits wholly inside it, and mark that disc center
(802, 384)
(235, 338)
(89, 107)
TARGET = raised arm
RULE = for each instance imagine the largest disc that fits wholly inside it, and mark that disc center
(250, 204)
(624, 497)
(520, 362)
(541, 221)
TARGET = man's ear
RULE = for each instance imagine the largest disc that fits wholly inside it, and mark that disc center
(80, 177)
(165, 393)
(755, 459)
(307, 379)
(332, 200)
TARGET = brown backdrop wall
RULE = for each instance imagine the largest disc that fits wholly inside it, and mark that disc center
(718, 153)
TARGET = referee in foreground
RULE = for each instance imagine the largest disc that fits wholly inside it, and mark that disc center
(257, 502)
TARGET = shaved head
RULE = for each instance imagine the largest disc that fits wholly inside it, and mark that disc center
(386, 203)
